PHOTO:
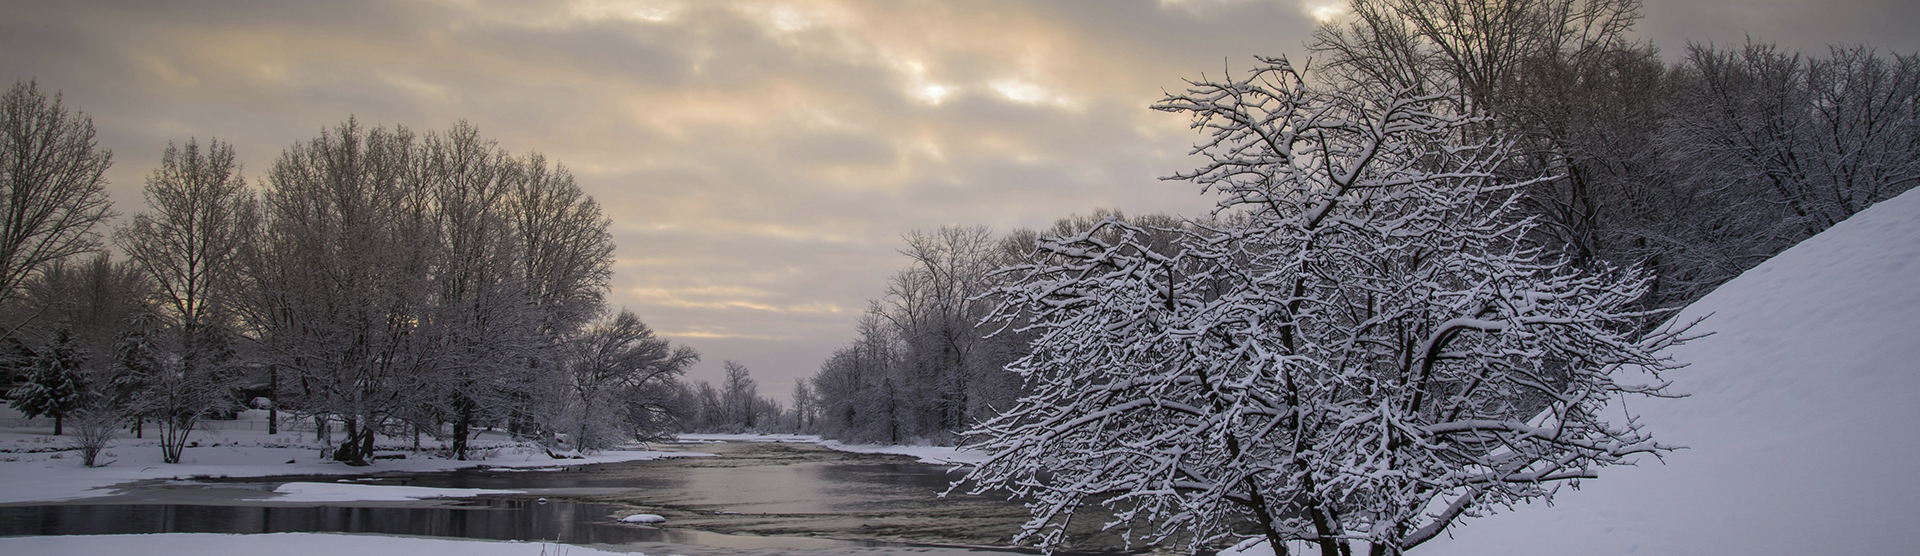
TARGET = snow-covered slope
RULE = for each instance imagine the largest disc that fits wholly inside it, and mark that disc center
(1803, 423)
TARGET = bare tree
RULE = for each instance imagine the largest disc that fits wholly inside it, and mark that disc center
(934, 306)
(566, 259)
(54, 177)
(806, 409)
(1564, 78)
(1364, 348)
(481, 307)
(203, 214)
(1811, 140)
(342, 280)
(738, 392)
(93, 297)
(567, 251)
(616, 357)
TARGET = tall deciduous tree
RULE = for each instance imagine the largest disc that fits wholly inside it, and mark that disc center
(935, 307)
(482, 298)
(738, 392)
(202, 217)
(343, 279)
(567, 251)
(1565, 80)
(566, 262)
(52, 184)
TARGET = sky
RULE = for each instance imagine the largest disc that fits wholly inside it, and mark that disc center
(760, 161)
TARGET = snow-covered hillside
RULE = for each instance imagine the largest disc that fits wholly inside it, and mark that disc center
(1803, 423)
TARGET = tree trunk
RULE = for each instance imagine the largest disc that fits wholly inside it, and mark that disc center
(462, 425)
(56, 424)
(358, 447)
(173, 437)
(273, 399)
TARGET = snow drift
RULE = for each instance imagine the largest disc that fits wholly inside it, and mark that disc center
(1802, 424)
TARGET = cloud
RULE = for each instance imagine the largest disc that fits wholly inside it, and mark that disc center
(760, 160)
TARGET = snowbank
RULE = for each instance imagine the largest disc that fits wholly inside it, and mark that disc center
(347, 492)
(937, 455)
(1802, 426)
(795, 438)
(282, 544)
(33, 471)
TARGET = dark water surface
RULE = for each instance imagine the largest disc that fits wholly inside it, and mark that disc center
(521, 520)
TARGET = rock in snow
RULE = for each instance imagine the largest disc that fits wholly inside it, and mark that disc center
(644, 518)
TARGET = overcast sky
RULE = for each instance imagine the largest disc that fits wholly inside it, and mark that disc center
(760, 160)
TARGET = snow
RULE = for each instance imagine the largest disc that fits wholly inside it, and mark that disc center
(1800, 424)
(644, 518)
(749, 437)
(283, 544)
(937, 455)
(339, 492)
(240, 448)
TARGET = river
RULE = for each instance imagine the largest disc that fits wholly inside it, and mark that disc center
(753, 498)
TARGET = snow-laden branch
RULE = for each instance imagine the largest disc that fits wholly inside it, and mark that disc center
(1361, 347)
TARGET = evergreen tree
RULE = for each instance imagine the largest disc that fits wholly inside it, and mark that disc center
(54, 385)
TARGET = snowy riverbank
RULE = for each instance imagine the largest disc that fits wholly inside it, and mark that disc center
(38, 467)
(934, 455)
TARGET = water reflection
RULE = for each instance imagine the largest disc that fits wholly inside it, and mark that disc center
(514, 520)
(754, 498)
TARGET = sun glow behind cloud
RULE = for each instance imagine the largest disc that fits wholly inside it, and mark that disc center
(1324, 11)
(650, 11)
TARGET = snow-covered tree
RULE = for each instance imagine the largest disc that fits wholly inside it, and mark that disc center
(566, 260)
(738, 392)
(339, 280)
(1363, 349)
(190, 245)
(98, 424)
(806, 409)
(173, 386)
(482, 309)
(605, 366)
(55, 385)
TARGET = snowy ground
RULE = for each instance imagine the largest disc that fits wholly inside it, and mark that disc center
(705, 438)
(936, 455)
(1800, 421)
(32, 470)
(1802, 427)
